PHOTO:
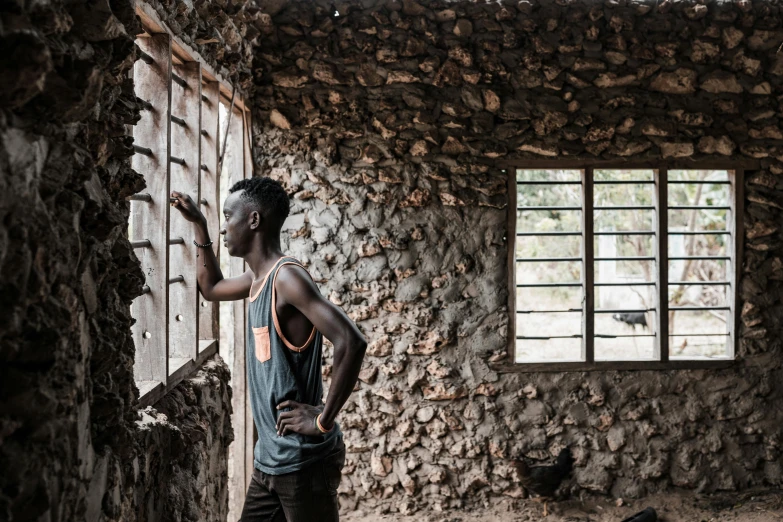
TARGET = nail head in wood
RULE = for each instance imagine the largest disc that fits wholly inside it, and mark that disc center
(204, 132)
(204, 167)
(141, 197)
(203, 202)
(176, 241)
(141, 243)
(178, 161)
(179, 121)
(178, 279)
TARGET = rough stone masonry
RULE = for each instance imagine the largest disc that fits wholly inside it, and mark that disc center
(73, 445)
(386, 121)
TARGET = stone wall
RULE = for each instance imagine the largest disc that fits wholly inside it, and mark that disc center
(387, 122)
(73, 445)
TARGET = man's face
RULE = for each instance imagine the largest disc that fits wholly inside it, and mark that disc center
(236, 230)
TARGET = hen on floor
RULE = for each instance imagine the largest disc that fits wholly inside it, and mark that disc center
(544, 480)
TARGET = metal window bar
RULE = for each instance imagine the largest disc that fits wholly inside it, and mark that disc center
(625, 233)
(538, 208)
(698, 232)
(697, 182)
(178, 79)
(551, 233)
(570, 310)
(621, 336)
(625, 182)
(683, 258)
(721, 334)
(546, 259)
(698, 283)
(623, 310)
(548, 182)
(142, 150)
(542, 338)
(699, 207)
(697, 308)
(146, 58)
(628, 283)
(626, 258)
(626, 207)
(548, 285)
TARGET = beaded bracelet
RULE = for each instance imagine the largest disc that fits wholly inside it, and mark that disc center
(206, 245)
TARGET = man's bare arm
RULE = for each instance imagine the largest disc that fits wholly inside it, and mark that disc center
(211, 283)
(295, 287)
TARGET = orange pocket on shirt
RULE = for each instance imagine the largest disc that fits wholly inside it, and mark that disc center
(261, 338)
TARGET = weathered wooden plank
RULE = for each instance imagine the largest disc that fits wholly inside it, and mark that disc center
(249, 424)
(233, 171)
(185, 143)
(736, 225)
(183, 52)
(148, 218)
(208, 311)
(150, 393)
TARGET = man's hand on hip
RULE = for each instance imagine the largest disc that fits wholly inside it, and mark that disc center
(300, 419)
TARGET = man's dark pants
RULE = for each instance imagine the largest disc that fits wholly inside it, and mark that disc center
(306, 495)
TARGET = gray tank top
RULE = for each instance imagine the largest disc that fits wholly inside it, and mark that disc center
(278, 371)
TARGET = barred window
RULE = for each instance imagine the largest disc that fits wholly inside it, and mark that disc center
(630, 267)
(183, 128)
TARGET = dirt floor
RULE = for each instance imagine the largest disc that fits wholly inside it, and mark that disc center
(764, 506)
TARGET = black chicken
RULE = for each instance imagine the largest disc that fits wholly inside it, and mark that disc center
(544, 480)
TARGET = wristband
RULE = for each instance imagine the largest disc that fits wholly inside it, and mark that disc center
(318, 425)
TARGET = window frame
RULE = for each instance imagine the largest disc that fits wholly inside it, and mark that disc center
(736, 169)
(213, 89)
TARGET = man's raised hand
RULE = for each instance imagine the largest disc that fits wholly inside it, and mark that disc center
(187, 207)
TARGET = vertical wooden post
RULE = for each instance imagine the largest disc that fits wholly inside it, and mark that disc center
(185, 143)
(588, 268)
(735, 221)
(150, 332)
(511, 242)
(249, 424)
(233, 168)
(661, 224)
(209, 186)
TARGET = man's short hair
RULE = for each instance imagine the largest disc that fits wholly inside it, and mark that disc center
(265, 195)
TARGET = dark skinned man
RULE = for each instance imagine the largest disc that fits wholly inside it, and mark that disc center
(300, 452)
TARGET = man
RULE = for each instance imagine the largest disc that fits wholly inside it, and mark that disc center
(300, 452)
